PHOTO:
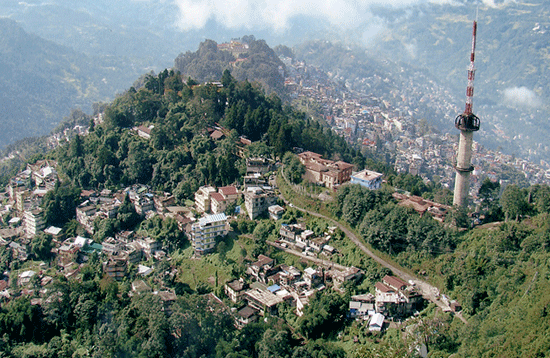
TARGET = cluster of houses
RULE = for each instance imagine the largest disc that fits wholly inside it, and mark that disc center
(299, 238)
(270, 284)
(267, 285)
(25, 193)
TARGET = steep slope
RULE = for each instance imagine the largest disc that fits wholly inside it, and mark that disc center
(41, 81)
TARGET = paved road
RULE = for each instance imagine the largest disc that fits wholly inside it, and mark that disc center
(429, 292)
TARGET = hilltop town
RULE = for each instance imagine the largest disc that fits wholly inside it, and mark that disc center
(396, 125)
(186, 210)
(131, 255)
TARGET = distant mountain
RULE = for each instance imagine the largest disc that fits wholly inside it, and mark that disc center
(40, 82)
(140, 33)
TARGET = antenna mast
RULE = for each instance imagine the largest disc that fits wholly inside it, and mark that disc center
(471, 74)
(467, 123)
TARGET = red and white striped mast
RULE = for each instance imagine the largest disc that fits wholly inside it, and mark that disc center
(467, 123)
(471, 74)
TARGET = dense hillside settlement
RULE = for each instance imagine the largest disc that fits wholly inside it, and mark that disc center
(189, 219)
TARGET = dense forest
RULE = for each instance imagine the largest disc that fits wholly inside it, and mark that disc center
(180, 155)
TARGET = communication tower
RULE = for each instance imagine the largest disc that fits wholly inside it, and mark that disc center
(467, 123)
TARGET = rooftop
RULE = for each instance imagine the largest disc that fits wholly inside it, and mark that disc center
(367, 175)
(394, 282)
(212, 219)
(264, 297)
(228, 190)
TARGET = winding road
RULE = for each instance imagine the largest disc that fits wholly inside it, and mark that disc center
(429, 292)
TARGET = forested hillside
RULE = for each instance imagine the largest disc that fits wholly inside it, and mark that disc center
(180, 155)
(498, 272)
(98, 317)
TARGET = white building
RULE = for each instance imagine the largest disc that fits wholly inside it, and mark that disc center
(257, 200)
(202, 198)
(205, 231)
(33, 221)
(376, 322)
(368, 179)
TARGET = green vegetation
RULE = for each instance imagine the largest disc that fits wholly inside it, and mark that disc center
(180, 155)
(258, 63)
(499, 274)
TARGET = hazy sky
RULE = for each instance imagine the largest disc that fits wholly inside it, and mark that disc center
(276, 14)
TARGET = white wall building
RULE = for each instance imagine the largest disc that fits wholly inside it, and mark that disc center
(205, 231)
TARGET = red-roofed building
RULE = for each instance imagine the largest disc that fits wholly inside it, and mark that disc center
(395, 296)
(208, 200)
(218, 204)
(395, 283)
(324, 171)
(229, 192)
(421, 206)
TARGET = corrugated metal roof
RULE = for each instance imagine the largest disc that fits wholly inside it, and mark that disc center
(212, 218)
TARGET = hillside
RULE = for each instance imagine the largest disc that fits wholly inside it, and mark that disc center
(499, 274)
(247, 59)
(42, 81)
(511, 87)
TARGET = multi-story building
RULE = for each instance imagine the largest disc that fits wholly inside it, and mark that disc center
(115, 267)
(205, 231)
(263, 301)
(149, 246)
(323, 171)
(257, 165)
(144, 204)
(275, 212)
(257, 200)
(290, 232)
(394, 295)
(207, 199)
(234, 289)
(218, 204)
(33, 221)
(85, 215)
(202, 198)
